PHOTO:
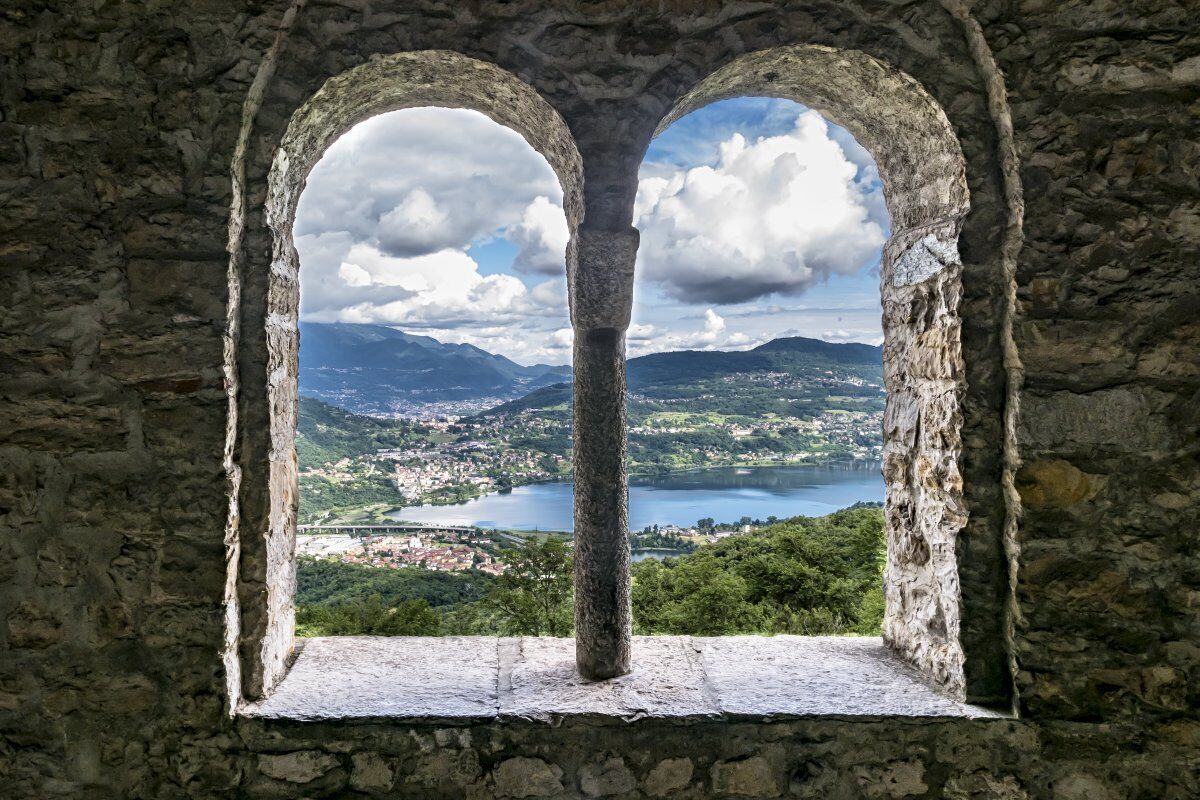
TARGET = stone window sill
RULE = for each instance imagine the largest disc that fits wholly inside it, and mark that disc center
(468, 679)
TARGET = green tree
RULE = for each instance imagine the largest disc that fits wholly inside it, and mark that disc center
(534, 595)
(692, 595)
(804, 576)
(369, 617)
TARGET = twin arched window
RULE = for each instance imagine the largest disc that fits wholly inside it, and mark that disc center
(924, 174)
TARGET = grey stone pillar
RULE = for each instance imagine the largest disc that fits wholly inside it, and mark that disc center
(600, 283)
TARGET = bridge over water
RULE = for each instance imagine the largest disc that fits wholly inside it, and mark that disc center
(379, 530)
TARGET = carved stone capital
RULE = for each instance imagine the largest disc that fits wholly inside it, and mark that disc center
(600, 278)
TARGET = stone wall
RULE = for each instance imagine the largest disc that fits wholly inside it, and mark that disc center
(131, 130)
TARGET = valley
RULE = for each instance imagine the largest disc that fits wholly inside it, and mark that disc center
(446, 512)
(789, 402)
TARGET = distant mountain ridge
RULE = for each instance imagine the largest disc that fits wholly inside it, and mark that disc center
(658, 373)
(786, 352)
(374, 369)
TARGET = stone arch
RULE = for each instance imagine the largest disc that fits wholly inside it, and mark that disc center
(261, 623)
(924, 173)
(408, 80)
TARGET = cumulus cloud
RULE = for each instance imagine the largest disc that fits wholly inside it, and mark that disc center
(773, 216)
(444, 295)
(412, 218)
(424, 179)
(388, 218)
(541, 238)
(422, 290)
(551, 294)
(641, 332)
(711, 334)
(417, 225)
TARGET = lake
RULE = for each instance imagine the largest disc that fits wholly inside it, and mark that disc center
(724, 493)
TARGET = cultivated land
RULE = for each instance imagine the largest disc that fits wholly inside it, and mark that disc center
(791, 401)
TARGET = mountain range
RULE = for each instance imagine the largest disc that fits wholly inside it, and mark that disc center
(373, 369)
(691, 373)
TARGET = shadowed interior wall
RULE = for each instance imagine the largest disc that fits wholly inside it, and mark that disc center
(119, 163)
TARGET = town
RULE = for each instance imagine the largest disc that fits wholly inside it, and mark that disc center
(461, 548)
(822, 419)
(436, 551)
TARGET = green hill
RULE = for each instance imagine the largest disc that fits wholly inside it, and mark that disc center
(375, 369)
(806, 575)
(555, 396)
(789, 377)
(796, 355)
(326, 433)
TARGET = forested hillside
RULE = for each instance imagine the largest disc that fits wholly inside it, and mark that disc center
(792, 401)
(806, 575)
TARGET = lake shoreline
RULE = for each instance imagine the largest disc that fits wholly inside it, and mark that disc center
(679, 498)
(831, 464)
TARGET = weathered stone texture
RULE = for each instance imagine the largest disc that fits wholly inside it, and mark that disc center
(476, 679)
(599, 269)
(120, 126)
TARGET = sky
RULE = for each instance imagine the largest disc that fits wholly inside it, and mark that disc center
(758, 219)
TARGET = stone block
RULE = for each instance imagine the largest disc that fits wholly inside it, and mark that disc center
(349, 677)
(747, 777)
(893, 780)
(669, 775)
(300, 767)
(667, 681)
(527, 777)
(1055, 483)
(448, 767)
(1126, 419)
(371, 772)
(609, 777)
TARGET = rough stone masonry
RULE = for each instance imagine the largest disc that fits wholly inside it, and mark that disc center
(1040, 292)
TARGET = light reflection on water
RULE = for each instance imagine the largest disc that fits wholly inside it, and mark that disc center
(725, 493)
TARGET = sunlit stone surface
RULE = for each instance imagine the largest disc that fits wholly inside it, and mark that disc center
(534, 678)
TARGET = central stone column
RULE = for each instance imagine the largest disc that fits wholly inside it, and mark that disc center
(600, 283)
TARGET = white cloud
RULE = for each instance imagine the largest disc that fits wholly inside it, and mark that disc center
(712, 334)
(417, 226)
(640, 332)
(401, 222)
(541, 238)
(390, 212)
(551, 294)
(424, 179)
(435, 288)
(773, 216)
(354, 275)
(563, 338)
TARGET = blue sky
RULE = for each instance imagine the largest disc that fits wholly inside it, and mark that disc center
(839, 306)
(758, 219)
(694, 140)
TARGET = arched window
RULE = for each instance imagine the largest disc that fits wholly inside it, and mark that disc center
(433, 299)
(923, 173)
(936, 624)
(756, 376)
(261, 592)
